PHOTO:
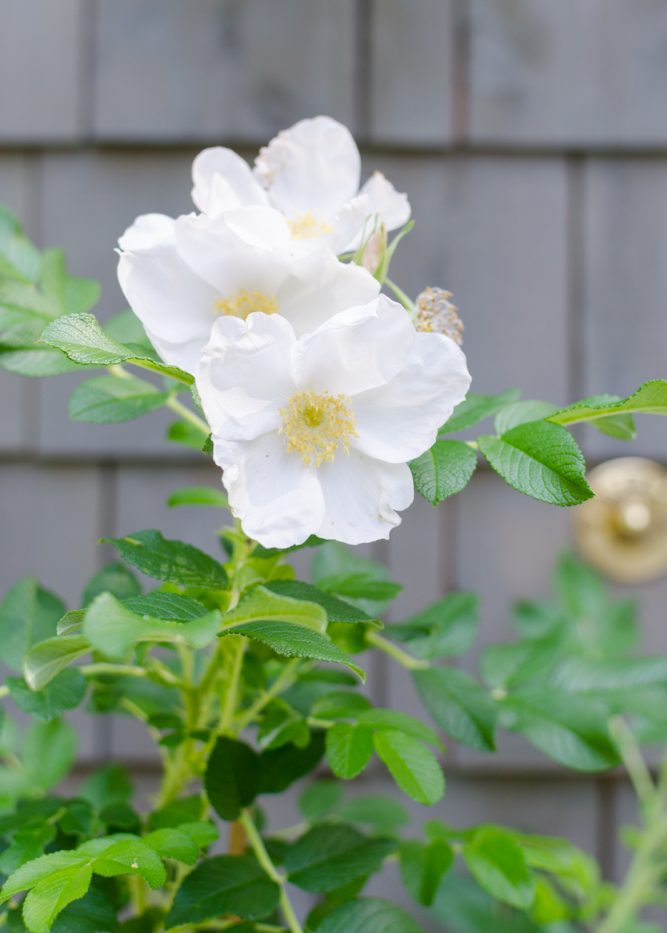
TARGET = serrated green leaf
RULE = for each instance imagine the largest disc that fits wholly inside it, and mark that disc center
(110, 400)
(521, 413)
(49, 657)
(446, 628)
(349, 748)
(170, 561)
(294, 641)
(169, 606)
(368, 915)
(499, 866)
(124, 854)
(360, 585)
(263, 604)
(113, 578)
(28, 614)
(413, 766)
(570, 729)
(395, 719)
(444, 470)
(113, 629)
(541, 460)
(337, 610)
(82, 339)
(51, 895)
(232, 777)
(328, 857)
(174, 844)
(458, 705)
(649, 399)
(609, 676)
(224, 885)
(35, 362)
(63, 692)
(475, 408)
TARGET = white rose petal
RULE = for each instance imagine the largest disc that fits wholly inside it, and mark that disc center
(302, 425)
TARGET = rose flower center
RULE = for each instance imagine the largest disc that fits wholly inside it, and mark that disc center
(316, 425)
(305, 226)
(244, 303)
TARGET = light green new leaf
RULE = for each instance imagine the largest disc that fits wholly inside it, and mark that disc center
(522, 412)
(349, 748)
(113, 629)
(124, 854)
(649, 399)
(459, 705)
(48, 658)
(294, 641)
(330, 856)
(48, 898)
(82, 339)
(541, 460)
(174, 844)
(28, 614)
(413, 766)
(261, 603)
(110, 400)
(444, 470)
(475, 408)
(499, 866)
(198, 495)
(170, 561)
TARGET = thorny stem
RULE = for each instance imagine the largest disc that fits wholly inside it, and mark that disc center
(264, 859)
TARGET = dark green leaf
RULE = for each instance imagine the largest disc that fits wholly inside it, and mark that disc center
(232, 777)
(224, 885)
(328, 857)
(170, 561)
(337, 610)
(368, 915)
(170, 606)
(280, 767)
(459, 705)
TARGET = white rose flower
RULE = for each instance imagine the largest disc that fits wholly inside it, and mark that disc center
(179, 276)
(314, 433)
(311, 173)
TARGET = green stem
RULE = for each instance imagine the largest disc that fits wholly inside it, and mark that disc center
(282, 682)
(402, 657)
(634, 762)
(157, 368)
(264, 859)
(93, 670)
(406, 301)
(231, 694)
(180, 409)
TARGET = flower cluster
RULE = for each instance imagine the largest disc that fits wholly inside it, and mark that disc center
(318, 389)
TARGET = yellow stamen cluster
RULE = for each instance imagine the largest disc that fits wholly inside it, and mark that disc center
(305, 226)
(316, 425)
(244, 303)
(436, 314)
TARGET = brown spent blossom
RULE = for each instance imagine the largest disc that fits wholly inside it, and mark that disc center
(437, 314)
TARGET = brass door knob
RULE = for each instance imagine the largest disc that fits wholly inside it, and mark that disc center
(622, 532)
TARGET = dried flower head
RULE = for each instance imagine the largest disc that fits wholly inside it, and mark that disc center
(437, 314)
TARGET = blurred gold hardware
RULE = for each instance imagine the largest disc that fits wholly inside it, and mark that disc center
(622, 532)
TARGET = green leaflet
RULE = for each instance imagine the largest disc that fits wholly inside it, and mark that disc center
(499, 866)
(110, 400)
(541, 460)
(444, 470)
(459, 705)
(169, 560)
(328, 857)
(649, 399)
(113, 629)
(294, 641)
(475, 408)
(51, 656)
(368, 915)
(413, 766)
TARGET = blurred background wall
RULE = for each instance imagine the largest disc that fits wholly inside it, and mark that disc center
(531, 136)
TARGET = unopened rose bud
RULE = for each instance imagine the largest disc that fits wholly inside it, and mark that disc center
(375, 250)
(435, 313)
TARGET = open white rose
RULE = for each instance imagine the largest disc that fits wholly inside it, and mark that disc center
(311, 173)
(179, 276)
(314, 433)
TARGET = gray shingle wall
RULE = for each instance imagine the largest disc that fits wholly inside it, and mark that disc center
(532, 139)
